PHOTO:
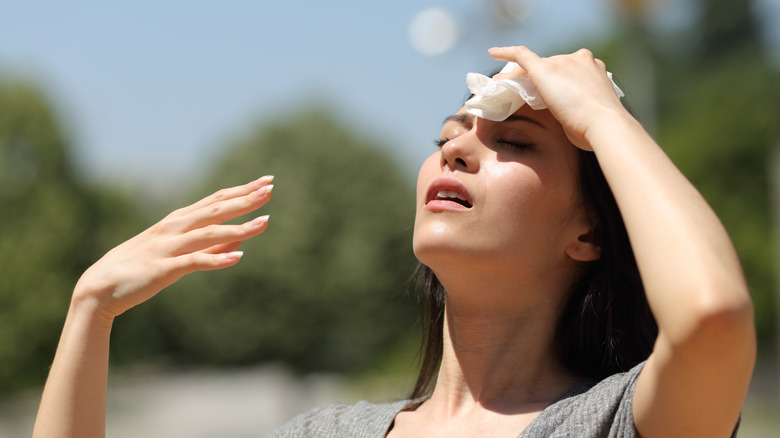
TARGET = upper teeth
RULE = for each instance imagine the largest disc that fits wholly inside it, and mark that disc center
(449, 194)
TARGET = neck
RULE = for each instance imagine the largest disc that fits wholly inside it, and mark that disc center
(499, 350)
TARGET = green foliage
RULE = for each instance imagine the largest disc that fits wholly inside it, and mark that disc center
(722, 132)
(717, 103)
(717, 120)
(51, 228)
(324, 287)
(726, 28)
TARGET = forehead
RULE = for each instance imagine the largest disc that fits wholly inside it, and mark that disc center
(541, 118)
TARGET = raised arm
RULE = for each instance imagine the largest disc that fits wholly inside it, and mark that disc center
(189, 239)
(696, 379)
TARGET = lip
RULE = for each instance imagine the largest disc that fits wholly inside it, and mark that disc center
(450, 184)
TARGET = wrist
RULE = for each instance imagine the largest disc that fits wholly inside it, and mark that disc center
(88, 306)
(612, 125)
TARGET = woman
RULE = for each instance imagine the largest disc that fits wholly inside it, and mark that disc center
(504, 224)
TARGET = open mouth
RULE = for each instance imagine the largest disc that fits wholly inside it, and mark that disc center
(451, 196)
(448, 194)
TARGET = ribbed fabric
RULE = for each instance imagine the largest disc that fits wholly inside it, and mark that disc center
(363, 419)
(601, 409)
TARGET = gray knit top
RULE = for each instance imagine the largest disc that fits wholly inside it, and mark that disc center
(589, 409)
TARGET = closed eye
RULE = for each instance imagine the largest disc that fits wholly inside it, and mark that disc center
(517, 145)
(439, 142)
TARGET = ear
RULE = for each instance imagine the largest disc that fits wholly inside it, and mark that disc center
(587, 246)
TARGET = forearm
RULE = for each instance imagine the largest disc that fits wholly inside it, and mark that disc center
(694, 285)
(689, 267)
(193, 238)
(74, 398)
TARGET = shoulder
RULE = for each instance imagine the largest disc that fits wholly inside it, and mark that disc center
(598, 409)
(363, 419)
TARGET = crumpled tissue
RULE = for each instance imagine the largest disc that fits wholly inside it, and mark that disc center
(498, 99)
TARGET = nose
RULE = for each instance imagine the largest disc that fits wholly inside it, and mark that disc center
(460, 153)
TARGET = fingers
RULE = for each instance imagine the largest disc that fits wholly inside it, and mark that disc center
(213, 247)
(210, 238)
(190, 239)
(223, 248)
(220, 207)
(194, 238)
(529, 60)
(522, 55)
(226, 194)
(202, 261)
(518, 72)
(221, 211)
(586, 56)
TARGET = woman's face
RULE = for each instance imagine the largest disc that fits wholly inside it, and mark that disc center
(499, 195)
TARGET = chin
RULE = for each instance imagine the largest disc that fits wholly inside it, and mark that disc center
(440, 251)
(433, 238)
(429, 250)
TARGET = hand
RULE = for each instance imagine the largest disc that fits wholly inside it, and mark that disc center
(189, 239)
(575, 88)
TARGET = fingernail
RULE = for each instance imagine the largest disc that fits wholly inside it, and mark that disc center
(260, 220)
(232, 256)
(264, 191)
(265, 179)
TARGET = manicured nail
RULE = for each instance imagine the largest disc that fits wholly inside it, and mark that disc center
(265, 179)
(260, 220)
(232, 256)
(264, 191)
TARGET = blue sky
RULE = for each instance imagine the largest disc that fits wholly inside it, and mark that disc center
(149, 89)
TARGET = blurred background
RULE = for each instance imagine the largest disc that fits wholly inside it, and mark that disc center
(113, 114)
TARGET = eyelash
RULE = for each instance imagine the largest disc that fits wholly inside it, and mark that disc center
(515, 145)
(439, 142)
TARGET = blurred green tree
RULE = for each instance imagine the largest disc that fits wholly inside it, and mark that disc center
(717, 98)
(718, 121)
(324, 287)
(51, 228)
(726, 28)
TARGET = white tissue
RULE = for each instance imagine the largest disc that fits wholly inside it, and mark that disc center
(498, 99)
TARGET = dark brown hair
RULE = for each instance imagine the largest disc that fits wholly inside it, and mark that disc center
(604, 326)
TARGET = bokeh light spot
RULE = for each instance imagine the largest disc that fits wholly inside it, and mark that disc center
(433, 31)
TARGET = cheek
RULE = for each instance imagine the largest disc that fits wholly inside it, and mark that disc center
(423, 233)
(525, 201)
(513, 188)
(428, 171)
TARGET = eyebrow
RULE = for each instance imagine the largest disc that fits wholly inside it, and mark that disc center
(522, 118)
(462, 118)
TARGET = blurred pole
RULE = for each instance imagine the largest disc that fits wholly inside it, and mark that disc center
(774, 192)
(635, 67)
